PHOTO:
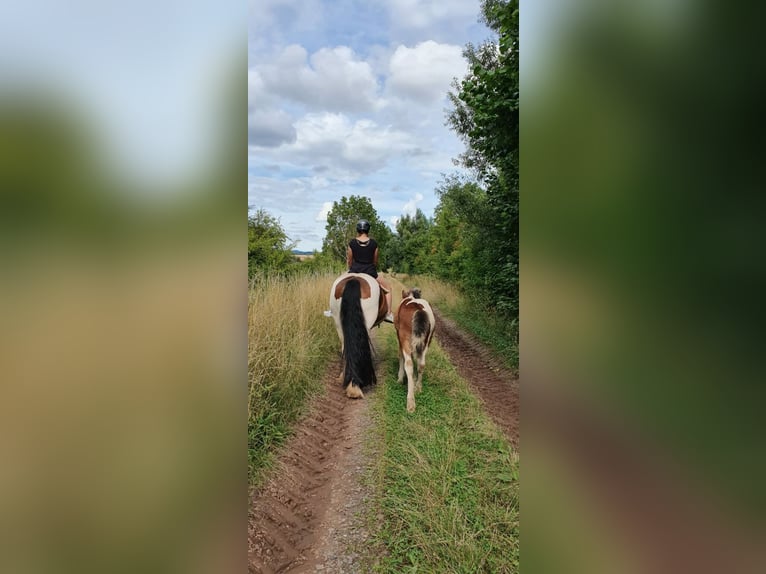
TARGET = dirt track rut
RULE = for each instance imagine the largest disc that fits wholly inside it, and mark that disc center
(304, 519)
(487, 377)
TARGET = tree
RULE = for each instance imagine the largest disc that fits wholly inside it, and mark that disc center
(268, 247)
(486, 105)
(456, 236)
(341, 228)
(410, 248)
(486, 117)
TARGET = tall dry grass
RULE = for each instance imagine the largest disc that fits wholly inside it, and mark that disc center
(437, 292)
(290, 343)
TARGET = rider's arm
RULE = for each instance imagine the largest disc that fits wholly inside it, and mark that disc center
(349, 257)
(375, 257)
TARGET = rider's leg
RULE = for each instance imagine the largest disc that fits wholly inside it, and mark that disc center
(388, 292)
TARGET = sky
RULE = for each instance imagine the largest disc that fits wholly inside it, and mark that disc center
(349, 97)
(149, 76)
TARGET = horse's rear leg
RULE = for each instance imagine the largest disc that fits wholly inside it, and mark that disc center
(421, 368)
(343, 365)
(410, 383)
(400, 377)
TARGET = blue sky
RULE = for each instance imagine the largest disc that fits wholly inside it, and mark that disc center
(348, 97)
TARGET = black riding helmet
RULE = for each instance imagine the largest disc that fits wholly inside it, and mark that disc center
(363, 226)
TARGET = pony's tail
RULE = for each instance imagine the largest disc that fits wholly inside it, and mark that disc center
(357, 349)
(421, 331)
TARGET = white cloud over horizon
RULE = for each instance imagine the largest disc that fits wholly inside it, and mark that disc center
(322, 215)
(410, 208)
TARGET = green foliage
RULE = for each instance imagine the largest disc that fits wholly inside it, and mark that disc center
(491, 93)
(341, 228)
(410, 248)
(486, 117)
(456, 236)
(268, 247)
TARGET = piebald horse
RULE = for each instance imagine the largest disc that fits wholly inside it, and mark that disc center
(357, 304)
(415, 323)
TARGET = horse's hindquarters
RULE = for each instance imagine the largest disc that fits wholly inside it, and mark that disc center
(371, 297)
(354, 306)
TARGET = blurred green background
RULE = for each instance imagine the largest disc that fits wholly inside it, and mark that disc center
(642, 274)
(123, 290)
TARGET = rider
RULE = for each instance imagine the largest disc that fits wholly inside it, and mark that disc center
(362, 257)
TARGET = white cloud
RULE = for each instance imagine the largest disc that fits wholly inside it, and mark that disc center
(267, 18)
(432, 14)
(270, 128)
(410, 208)
(330, 79)
(356, 147)
(322, 215)
(267, 126)
(256, 93)
(424, 73)
(278, 195)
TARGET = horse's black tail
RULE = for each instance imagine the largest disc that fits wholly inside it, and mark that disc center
(357, 347)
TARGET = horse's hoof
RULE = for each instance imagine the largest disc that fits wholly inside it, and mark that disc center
(410, 406)
(354, 392)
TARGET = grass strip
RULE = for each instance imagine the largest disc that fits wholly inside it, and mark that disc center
(446, 481)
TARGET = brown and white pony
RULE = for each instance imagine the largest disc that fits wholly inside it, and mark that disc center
(357, 304)
(414, 322)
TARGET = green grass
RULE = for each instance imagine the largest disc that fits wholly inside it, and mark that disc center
(499, 335)
(446, 480)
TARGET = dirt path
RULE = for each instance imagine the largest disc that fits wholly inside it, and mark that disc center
(491, 381)
(306, 517)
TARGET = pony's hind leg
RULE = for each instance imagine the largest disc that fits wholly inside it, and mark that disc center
(421, 368)
(410, 384)
(419, 381)
(400, 377)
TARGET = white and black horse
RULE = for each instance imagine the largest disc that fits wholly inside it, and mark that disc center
(357, 304)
